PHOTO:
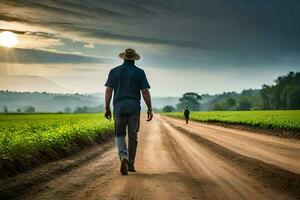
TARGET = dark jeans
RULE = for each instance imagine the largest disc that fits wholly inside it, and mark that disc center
(186, 119)
(132, 123)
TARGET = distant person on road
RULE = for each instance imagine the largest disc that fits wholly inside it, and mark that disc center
(186, 114)
(127, 81)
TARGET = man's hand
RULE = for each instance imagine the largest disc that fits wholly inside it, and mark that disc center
(147, 98)
(108, 94)
(150, 115)
(107, 114)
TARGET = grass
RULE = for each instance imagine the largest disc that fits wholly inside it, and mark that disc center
(26, 137)
(279, 119)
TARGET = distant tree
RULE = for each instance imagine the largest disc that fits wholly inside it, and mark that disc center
(78, 109)
(252, 96)
(67, 110)
(292, 96)
(217, 106)
(86, 109)
(5, 109)
(30, 109)
(190, 99)
(19, 110)
(224, 101)
(284, 94)
(230, 103)
(266, 94)
(168, 109)
(244, 104)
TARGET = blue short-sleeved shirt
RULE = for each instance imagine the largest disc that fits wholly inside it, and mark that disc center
(127, 80)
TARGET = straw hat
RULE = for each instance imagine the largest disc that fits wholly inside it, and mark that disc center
(129, 54)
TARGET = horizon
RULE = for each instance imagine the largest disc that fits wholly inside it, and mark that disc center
(102, 93)
(194, 47)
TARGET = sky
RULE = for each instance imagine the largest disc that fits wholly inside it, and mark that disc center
(211, 46)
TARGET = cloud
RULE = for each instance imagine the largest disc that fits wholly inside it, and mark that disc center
(239, 34)
(44, 56)
(85, 69)
(70, 18)
(192, 24)
(36, 41)
(89, 46)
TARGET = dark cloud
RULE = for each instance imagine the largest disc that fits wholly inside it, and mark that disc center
(11, 19)
(215, 31)
(89, 32)
(46, 57)
(11, 30)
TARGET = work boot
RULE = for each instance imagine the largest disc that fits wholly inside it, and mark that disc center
(131, 168)
(123, 168)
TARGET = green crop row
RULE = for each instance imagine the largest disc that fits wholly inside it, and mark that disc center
(24, 136)
(279, 119)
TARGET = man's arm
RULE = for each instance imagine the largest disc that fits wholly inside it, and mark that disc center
(108, 95)
(147, 99)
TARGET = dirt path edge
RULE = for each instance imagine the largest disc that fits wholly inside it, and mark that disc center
(271, 175)
(11, 187)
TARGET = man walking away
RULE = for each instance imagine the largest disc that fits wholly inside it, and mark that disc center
(186, 114)
(127, 81)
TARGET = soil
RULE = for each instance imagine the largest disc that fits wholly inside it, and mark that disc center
(174, 161)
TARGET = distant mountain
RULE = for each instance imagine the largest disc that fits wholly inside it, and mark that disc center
(47, 102)
(55, 102)
(30, 84)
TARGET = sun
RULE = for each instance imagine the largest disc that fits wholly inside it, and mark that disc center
(8, 39)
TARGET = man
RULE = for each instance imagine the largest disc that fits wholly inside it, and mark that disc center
(127, 81)
(186, 114)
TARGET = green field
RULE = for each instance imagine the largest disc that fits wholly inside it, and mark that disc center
(23, 137)
(279, 119)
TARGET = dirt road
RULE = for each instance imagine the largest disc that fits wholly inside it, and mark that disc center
(178, 161)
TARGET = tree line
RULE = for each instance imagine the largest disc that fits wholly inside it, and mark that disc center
(77, 109)
(283, 95)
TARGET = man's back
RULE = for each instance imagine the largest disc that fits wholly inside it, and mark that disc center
(127, 80)
(186, 112)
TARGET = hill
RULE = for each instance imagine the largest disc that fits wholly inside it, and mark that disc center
(55, 102)
(30, 84)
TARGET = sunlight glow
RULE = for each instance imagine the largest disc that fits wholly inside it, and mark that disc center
(8, 39)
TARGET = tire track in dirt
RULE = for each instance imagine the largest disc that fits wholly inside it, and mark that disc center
(16, 186)
(272, 176)
(277, 151)
(230, 181)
